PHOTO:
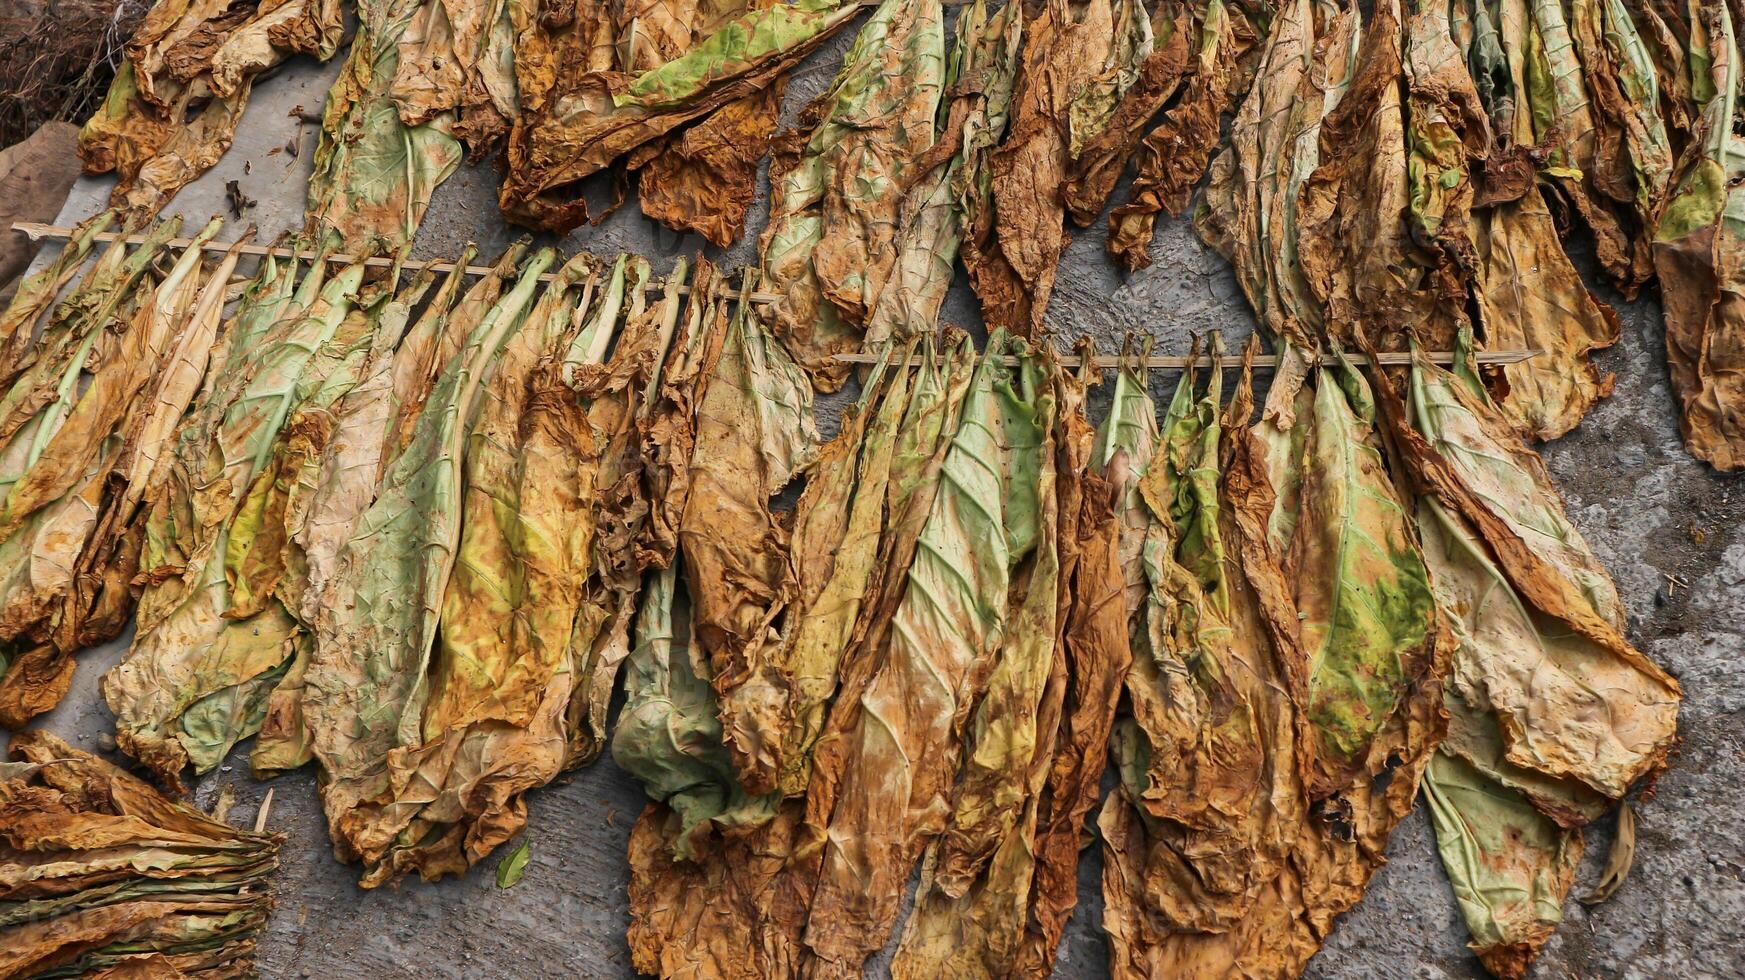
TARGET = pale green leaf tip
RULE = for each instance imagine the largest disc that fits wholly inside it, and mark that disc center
(511, 868)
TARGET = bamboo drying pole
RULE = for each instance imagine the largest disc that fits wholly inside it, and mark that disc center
(38, 231)
(1233, 359)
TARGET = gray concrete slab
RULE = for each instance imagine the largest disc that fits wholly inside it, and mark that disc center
(1648, 509)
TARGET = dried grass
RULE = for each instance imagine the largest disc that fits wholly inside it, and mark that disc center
(56, 59)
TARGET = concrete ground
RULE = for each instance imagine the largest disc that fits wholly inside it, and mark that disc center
(1667, 527)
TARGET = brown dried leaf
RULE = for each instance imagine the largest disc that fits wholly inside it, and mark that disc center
(1357, 252)
(720, 916)
(704, 179)
(172, 109)
(1530, 297)
(754, 432)
(573, 124)
(1063, 47)
(838, 185)
(104, 876)
(1174, 155)
(1092, 175)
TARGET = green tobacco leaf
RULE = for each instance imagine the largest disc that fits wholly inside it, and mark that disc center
(667, 733)
(756, 35)
(367, 680)
(1510, 865)
(374, 175)
(513, 866)
(1368, 613)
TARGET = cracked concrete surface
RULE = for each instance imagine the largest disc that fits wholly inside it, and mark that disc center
(1668, 528)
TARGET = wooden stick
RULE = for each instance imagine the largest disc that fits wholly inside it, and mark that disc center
(37, 231)
(1233, 361)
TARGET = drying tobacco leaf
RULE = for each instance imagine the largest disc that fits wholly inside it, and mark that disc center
(456, 60)
(1334, 845)
(402, 367)
(616, 396)
(1586, 155)
(1368, 618)
(903, 744)
(1172, 157)
(949, 189)
(1205, 792)
(1527, 292)
(224, 442)
(503, 671)
(711, 838)
(77, 432)
(1530, 297)
(173, 106)
(104, 876)
(574, 123)
(1109, 119)
(366, 683)
(79, 335)
(103, 591)
(703, 177)
(374, 172)
(1447, 128)
(52, 563)
(620, 395)
(871, 141)
(1012, 267)
(720, 914)
(36, 293)
(1251, 209)
(56, 502)
(754, 433)
(1095, 654)
(973, 904)
(1697, 244)
(1476, 467)
(1511, 866)
(37, 360)
(1622, 75)
(839, 525)
(363, 428)
(838, 185)
(1534, 748)
(187, 650)
(668, 735)
(1501, 489)
(264, 564)
(1096, 103)
(923, 439)
(1357, 251)
(669, 431)
(667, 732)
